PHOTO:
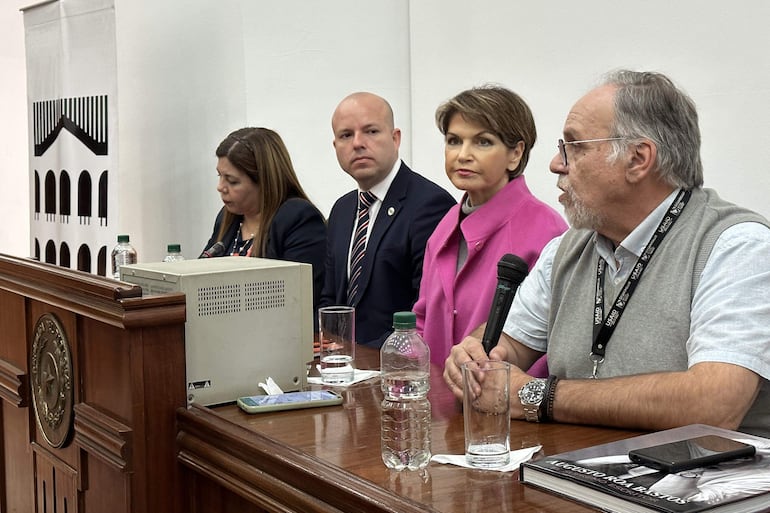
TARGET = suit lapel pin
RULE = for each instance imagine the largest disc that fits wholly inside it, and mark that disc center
(391, 211)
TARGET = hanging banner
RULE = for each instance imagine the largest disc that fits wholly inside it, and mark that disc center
(71, 90)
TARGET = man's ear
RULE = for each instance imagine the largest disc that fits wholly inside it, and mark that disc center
(642, 160)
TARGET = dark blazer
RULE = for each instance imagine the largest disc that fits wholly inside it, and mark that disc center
(297, 234)
(392, 266)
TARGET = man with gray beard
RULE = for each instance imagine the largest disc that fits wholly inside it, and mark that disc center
(652, 308)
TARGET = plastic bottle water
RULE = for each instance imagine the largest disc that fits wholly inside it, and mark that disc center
(405, 373)
(124, 253)
(174, 253)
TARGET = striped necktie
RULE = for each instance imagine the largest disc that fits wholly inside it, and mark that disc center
(365, 200)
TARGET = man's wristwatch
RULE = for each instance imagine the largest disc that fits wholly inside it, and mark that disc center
(531, 396)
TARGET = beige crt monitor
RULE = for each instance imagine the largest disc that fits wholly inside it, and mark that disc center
(247, 319)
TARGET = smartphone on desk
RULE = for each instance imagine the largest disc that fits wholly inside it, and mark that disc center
(691, 453)
(289, 401)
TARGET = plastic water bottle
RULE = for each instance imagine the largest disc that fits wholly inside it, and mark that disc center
(405, 373)
(174, 253)
(124, 253)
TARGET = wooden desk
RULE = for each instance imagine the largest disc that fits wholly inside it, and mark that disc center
(328, 459)
(121, 356)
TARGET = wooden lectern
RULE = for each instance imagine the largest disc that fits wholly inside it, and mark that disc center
(91, 374)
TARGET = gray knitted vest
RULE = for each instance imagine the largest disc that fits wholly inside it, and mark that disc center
(655, 326)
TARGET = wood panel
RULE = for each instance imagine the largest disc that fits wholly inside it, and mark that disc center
(210, 497)
(128, 375)
(103, 437)
(17, 455)
(283, 461)
(276, 477)
(56, 483)
(14, 386)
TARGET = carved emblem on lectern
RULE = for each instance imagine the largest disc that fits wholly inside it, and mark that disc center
(51, 376)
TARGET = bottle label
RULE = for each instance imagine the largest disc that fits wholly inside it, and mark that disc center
(125, 258)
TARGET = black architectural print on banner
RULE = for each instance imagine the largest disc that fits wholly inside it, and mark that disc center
(56, 192)
(85, 118)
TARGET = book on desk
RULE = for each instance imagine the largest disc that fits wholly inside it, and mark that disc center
(603, 476)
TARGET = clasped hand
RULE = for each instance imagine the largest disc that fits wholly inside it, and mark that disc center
(471, 349)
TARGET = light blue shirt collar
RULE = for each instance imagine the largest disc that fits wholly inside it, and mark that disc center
(633, 245)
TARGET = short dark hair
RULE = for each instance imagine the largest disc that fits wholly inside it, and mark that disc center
(498, 110)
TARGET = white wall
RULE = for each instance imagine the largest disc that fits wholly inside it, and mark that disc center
(181, 89)
(14, 169)
(552, 52)
(300, 57)
(189, 80)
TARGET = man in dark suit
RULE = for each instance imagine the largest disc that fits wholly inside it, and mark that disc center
(392, 232)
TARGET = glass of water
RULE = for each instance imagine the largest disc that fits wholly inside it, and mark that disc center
(337, 327)
(486, 413)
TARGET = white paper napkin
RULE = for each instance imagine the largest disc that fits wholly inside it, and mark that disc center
(358, 376)
(517, 457)
(270, 387)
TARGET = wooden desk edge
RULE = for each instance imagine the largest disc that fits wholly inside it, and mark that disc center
(267, 472)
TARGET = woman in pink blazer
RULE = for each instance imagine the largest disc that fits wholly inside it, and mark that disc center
(488, 134)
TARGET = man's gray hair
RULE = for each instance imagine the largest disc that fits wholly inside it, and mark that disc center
(649, 106)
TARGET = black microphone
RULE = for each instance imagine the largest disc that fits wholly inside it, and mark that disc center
(218, 249)
(511, 271)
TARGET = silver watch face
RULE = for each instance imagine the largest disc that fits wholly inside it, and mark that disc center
(532, 392)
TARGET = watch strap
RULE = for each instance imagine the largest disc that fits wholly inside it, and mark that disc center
(532, 413)
(545, 411)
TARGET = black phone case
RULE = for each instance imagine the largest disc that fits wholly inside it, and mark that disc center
(676, 456)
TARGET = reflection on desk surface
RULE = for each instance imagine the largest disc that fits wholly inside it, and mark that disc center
(348, 437)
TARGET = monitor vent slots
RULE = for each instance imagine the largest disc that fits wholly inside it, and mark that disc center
(265, 295)
(219, 299)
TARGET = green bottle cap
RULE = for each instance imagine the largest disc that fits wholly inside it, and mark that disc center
(174, 248)
(122, 238)
(404, 320)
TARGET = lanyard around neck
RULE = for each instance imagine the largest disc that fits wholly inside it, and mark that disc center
(604, 327)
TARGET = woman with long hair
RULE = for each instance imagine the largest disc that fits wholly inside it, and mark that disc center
(266, 212)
